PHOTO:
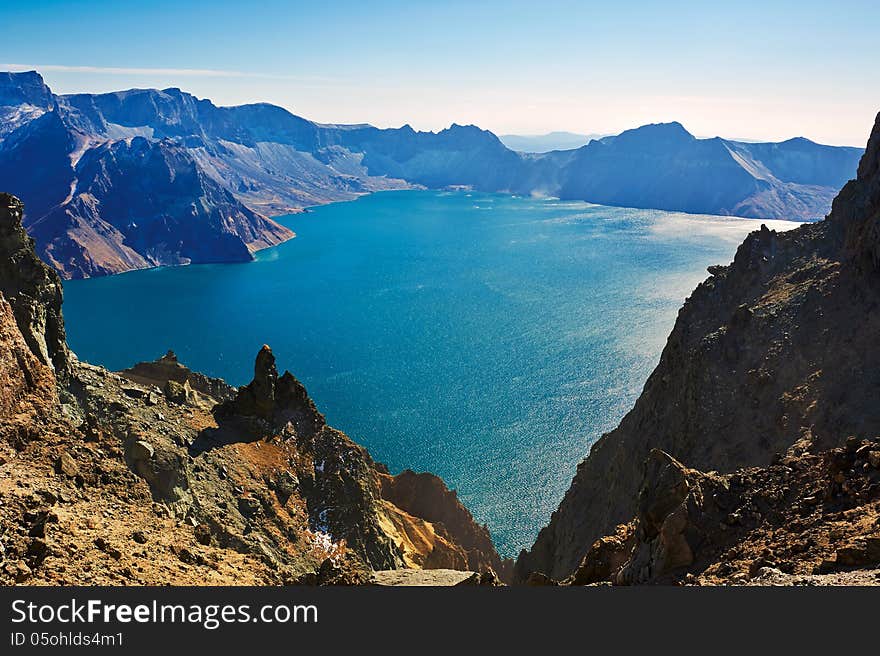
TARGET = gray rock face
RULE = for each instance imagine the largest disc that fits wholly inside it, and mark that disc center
(857, 207)
(761, 361)
(24, 89)
(670, 498)
(32, 289)
(23, 98)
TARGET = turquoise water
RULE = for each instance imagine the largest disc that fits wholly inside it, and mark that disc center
(487, 338)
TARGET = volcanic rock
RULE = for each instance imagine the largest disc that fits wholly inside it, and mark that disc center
(761, 363)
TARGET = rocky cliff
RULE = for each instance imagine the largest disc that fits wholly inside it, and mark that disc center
(137, 203)
(23, 98)
(426, 495)
(101, 202)
(32, 290)
(807, 519)
(771, 357)
(160, 475)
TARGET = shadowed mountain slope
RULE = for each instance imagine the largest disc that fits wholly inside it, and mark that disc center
(243, 164)
(772, 356)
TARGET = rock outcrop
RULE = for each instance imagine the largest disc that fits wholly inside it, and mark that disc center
(677, 509)
(32, 289)
(390, 521)
(168, 369)
(772, 355)
(276, 402)
(159, 475)
(426, 495)
(804, 520)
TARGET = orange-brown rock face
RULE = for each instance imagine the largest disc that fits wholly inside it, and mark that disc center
(426, 496)
(27, 386)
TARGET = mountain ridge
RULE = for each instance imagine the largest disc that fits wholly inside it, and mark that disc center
(273, 162)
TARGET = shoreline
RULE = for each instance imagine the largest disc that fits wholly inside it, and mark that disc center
(310, 209)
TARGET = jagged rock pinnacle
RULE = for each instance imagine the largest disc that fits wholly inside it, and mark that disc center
(274, 400)
(264, 383)
(857, 207)
(32, 289)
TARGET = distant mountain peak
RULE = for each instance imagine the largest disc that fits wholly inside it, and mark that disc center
(799, 141)
(470, 127)
(671, 129)
(652, 137)
(26, 87)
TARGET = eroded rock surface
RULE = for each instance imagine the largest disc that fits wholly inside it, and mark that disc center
(773, 355)
(32, 289)
(805, 520)
(426, 495)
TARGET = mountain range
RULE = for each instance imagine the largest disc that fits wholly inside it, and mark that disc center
(139, 178)
(750, 458)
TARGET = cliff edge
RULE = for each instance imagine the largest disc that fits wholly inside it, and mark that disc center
(772, 356)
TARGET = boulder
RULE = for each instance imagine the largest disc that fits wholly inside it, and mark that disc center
(177, 392)
(141, 450)
(66, 465)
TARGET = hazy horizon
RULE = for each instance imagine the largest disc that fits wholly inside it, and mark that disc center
(749, 71)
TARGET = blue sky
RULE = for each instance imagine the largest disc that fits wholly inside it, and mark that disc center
(764, 70)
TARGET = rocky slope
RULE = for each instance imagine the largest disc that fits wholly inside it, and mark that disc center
(101, 203)
(805, 520)
(136, 204)
(87, 165)
(772, 357)
(160, 475)
(426, 495)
